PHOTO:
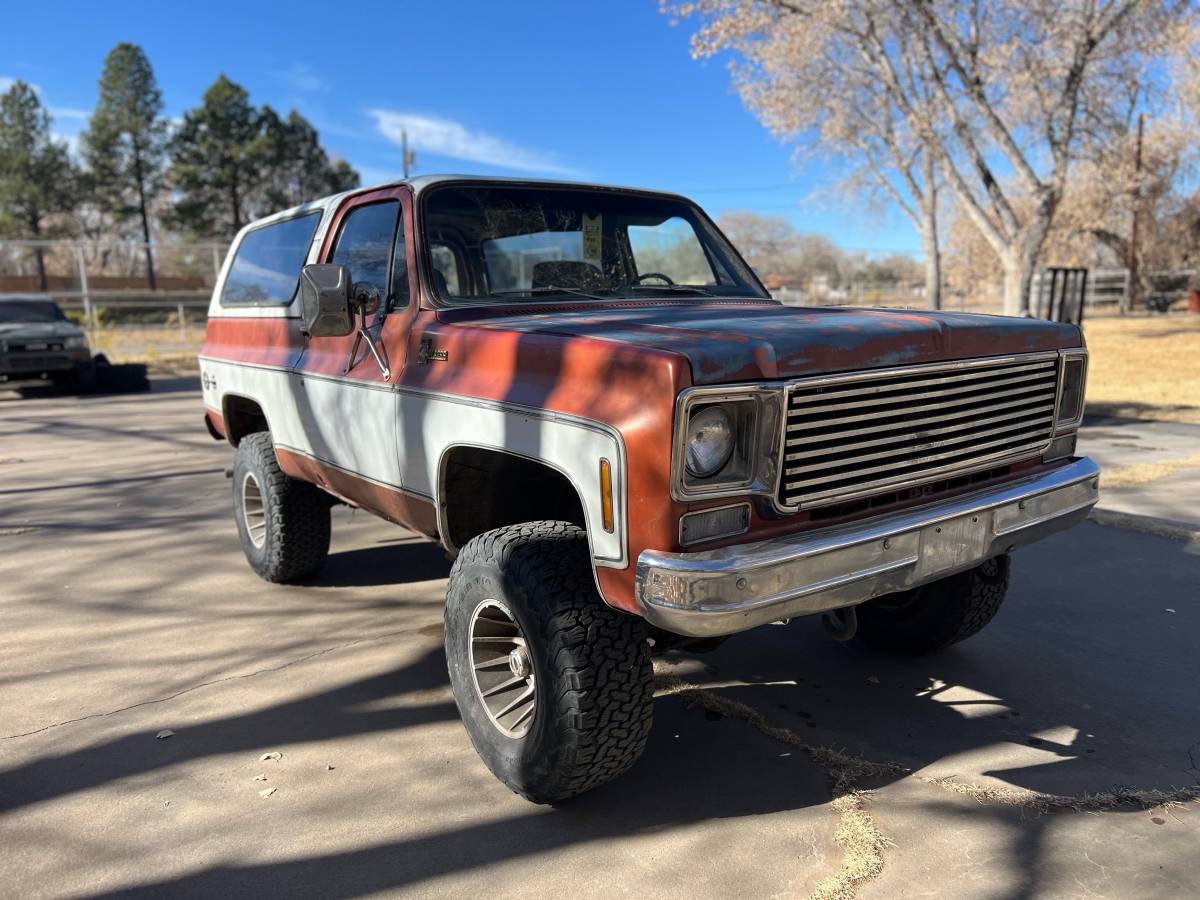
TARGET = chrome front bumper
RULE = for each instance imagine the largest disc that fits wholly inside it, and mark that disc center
(717, 592)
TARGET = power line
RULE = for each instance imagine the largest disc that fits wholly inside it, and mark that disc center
(736, 190)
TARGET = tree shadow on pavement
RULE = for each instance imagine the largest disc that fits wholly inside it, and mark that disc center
(348, 710)
(685, 777)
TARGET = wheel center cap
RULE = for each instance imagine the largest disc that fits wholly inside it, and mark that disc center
(518, 662)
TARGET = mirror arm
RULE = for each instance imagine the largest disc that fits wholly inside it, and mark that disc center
(363, 335)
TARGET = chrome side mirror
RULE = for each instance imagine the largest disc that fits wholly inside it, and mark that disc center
(325, 301)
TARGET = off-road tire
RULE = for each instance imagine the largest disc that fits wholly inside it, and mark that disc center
(594, 680)
(295, 540)
(938, 614)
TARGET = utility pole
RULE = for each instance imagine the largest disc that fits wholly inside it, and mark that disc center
(408, 157)
(1134, 288)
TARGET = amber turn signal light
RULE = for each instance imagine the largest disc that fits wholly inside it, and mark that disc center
(606, 498)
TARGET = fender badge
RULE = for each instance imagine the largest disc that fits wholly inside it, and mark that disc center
(426, 353)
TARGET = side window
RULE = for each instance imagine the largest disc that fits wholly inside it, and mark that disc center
(267, 266)
(364, 244)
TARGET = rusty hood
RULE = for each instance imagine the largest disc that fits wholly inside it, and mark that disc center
(728, 341)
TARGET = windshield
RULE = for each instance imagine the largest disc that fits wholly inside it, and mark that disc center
(30, 311)
(519, 243)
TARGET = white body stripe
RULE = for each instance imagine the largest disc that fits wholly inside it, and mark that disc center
(397, 436)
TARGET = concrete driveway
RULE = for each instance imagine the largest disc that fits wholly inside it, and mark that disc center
(126, 609)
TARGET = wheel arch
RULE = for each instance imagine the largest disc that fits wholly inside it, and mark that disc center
(563, 501)
(243, 415)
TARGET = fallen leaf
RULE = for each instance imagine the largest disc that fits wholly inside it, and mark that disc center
(1170, 610)
(871, 679)
(329, 767)
(262, 777)
(266, 757)
(164, 734)
(266, 792)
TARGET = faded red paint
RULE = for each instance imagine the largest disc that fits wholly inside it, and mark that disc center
(255, 341)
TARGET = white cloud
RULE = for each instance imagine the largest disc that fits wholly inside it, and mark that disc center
(302, 78)
(444, 137)
(66, 112)
(7, 81)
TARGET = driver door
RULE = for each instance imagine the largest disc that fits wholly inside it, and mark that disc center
(346, 397)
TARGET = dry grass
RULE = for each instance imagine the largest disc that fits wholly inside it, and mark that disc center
(1145, 367)
(1143, 473)
(161, 347)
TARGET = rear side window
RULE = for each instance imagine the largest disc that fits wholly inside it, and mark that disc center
(266, 270)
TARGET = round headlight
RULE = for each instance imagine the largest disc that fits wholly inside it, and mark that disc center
(709, 441)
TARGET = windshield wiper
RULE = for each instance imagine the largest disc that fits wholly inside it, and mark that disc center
(689, 288)
(548, 289)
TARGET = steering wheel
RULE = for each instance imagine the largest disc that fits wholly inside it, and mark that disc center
(645, 275)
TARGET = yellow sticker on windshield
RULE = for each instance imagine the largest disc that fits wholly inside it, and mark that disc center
(593, 226)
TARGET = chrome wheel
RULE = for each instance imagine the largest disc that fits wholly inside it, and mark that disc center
(502, 668)
(254, 510)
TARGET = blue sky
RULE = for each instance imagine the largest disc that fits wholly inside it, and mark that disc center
(599, 91)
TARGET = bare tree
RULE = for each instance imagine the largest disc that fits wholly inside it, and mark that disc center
(767, 242)
(999, 97)
(1091, 227)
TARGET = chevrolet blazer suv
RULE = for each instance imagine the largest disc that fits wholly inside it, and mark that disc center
(588, 398)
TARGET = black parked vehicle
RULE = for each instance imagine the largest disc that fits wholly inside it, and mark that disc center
(38, 341)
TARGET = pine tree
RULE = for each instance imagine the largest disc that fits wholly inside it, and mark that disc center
(125, 144)
(214, 168)
(38, 181)
(231, 163)
(295, 167)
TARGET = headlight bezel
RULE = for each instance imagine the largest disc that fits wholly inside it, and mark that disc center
(1066, 360)
(75, 342)
(754, 411)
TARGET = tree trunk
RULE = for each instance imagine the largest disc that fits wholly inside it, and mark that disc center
(141, 186)
(1018, 280)
(933, 258)
(235, 199)
(1022, 256)
(39, 252)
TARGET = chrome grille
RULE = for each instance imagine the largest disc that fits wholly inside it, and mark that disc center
(850, 436)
